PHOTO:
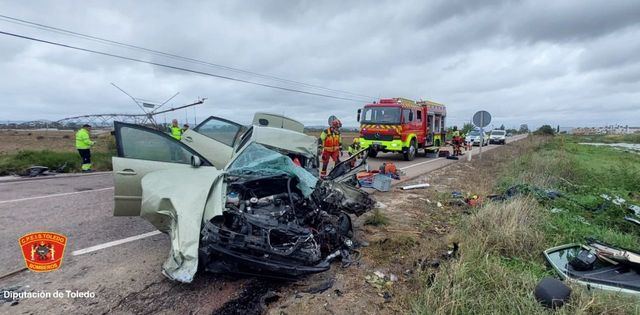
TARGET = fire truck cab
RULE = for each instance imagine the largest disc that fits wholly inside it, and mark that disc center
(403, 126)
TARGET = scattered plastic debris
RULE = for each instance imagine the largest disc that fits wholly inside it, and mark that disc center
(378, 281)
(381, 182)
(618, 201)
(474, 201)
(582, 220)
(439, 204)
(632, 220)
(380, 205)
(557, 210)
(635, 209)
(552, 293)
(452, 252)
(324, 286)
(523, 189)
(416, 186)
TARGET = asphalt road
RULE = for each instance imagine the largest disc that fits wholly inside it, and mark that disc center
(124, 276)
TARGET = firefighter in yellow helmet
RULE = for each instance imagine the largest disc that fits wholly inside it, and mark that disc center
(175, 130)
(84, 144)
(331, 141)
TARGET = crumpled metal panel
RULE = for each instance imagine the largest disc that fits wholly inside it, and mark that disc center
(174, 202)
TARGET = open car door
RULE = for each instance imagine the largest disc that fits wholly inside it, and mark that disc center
(345, 172)
(142, 150)
(214, 138)
(277, 121)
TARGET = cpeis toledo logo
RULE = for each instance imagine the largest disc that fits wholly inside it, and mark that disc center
(43, 251)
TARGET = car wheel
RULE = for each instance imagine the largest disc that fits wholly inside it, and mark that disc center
(410, 153)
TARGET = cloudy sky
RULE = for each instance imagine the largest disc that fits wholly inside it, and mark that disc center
(573, 63)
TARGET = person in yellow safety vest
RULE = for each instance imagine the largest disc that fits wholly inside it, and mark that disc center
(175, 130)
(331, 141)
(84, 144)
(456, 141)
(353, 148)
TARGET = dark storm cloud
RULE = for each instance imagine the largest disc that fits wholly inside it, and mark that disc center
(562, 21)
(525, 61)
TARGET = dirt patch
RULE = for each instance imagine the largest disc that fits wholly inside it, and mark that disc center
(54, 140)
(398, 256)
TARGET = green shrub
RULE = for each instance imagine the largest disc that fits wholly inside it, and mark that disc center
(17, 163)
(377, 218)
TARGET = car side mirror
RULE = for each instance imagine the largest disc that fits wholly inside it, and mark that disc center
(359, 112)
(196, 161)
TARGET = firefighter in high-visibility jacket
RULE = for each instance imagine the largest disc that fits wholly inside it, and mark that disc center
(353, 149)
(331, 141)
(175, 130)
(84, 144)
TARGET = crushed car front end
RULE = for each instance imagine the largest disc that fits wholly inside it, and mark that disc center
(279, 221)
(265, 214)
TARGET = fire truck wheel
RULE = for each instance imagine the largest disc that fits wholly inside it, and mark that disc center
(410, 153)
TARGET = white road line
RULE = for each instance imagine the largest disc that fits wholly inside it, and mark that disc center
(417, 164)
(114, 243)
(55, 195)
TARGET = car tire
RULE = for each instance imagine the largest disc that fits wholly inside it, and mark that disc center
(410, 153)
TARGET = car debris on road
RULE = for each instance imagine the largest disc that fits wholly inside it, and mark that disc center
(597, 265)
(416, 186)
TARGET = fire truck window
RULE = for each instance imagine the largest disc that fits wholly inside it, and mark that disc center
(437, 124)
(406, 116)
(388, 115)
(419, 116)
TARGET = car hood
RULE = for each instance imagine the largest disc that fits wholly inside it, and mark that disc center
(295, 141)
(174, 201)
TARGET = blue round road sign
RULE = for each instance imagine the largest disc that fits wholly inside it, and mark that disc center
(482, 118)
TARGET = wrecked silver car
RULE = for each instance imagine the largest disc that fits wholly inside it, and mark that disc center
(238, 200)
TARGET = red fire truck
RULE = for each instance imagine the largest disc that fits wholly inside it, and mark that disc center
(402, 125)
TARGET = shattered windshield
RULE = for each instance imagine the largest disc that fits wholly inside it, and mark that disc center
(257, 159)
(378, 114)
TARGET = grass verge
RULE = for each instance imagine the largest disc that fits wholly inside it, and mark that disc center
(19, 162)
(501, 244)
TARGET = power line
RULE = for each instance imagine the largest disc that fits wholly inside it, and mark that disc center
(165, 54)
(177, 68)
